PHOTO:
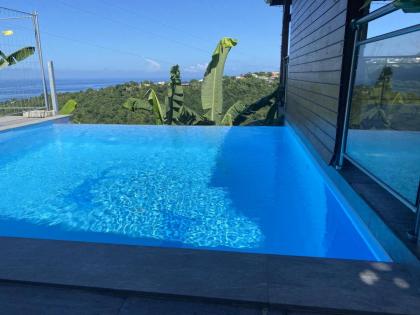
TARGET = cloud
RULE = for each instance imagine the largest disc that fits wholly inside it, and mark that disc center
(199, 67)
(153, 65)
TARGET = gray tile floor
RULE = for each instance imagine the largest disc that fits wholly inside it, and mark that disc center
(35, 299)
(19, 298)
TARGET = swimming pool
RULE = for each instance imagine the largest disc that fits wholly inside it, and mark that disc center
(235, 189)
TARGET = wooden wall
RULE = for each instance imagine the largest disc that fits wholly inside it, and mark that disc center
(317, 41)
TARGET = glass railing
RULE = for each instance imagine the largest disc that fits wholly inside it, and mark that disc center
(384, 126)
(383, 114)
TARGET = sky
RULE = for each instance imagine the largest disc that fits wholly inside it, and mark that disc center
(145, 37)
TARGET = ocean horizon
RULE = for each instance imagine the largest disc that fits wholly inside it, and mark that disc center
(14, 89)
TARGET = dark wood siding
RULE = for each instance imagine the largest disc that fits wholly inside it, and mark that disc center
(317, 40)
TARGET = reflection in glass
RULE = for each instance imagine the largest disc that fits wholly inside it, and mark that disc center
(384, 134)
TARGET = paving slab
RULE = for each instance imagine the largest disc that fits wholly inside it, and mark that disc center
(353, 286)
(11, 122)
(281, 282)
(16, 298)
(210, 274)
(144, 306)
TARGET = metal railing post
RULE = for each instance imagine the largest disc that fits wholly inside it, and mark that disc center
(414, 235)
(349, 96)
(51, 78)
(41, 61)
(417, 225)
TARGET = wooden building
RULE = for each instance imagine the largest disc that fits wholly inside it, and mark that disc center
(318, 41)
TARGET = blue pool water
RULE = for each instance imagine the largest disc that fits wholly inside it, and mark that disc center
(235, 189)
(390, 155)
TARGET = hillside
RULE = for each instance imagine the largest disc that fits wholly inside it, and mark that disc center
(105, 105)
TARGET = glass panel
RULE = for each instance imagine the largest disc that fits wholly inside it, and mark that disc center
(384, 130)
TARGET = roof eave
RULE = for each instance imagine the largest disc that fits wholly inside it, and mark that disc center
(275, 2)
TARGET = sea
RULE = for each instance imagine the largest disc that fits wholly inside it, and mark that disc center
(14, 89)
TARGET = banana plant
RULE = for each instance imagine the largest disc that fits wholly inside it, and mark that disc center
(14, 58)
(177, 113)
(175, 98)
(212, 88)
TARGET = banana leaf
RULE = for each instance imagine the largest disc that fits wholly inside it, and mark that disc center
(3, 63)
(156, 107)
(272, 113)
(270, 100)
(175, 96)
(212, 87)
(15, 57)
(233, 113)
(69, 107)
(3, 55)
(3, 60)
(133, 104)
(20, 55)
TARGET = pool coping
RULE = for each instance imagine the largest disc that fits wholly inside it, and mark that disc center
(20, 122)
(297, 283)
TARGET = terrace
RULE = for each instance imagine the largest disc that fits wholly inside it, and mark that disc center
(347, 168)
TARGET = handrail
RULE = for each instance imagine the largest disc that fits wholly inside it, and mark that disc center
(389, 8)
(396, 33)
(414, 235)
(17, 11)
(402, 199)
(417, 224)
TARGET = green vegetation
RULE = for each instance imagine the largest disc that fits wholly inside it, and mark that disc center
(69, 107)
(176, 112)
(382, 106)
(249, 99)
(14, 58)
(212, 87)
(104, 106)
(213, 112)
